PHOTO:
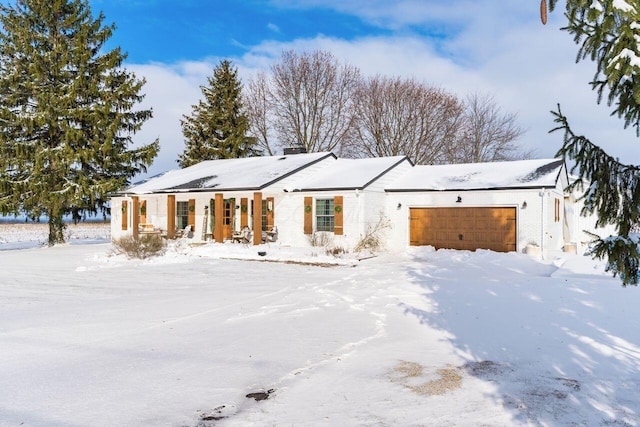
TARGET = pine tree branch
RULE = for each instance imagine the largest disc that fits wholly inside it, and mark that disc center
(613, 193)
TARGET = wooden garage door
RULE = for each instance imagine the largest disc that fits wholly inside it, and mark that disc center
(463, 228)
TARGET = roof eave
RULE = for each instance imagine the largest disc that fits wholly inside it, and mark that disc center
(189, 190)
(433, 190)
(201, 190)
(386, 171)
(310, 190)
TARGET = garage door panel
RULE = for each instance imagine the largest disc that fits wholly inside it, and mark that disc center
(464, 228)
(442, 235)
(495, 237)
(489, 225)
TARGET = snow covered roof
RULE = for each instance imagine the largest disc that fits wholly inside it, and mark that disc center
(350, 174)
(249, 173)
(255, 173)
(538, 173)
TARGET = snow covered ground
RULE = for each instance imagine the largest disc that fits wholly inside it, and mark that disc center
(89, 338)
(29, 235)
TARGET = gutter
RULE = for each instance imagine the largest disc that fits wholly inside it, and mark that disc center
(434, 190)
(542, 223)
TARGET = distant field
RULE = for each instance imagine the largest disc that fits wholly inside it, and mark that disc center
(43, 220)
(39, 232)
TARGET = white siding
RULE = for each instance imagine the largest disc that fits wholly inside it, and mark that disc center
(581, 225)
(374, 208)
(290, 217)
(116, 217)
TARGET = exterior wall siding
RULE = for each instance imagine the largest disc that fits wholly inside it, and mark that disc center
(116, 218)
(363, 209)
(539, 222)
(580, 224)
(290, 217)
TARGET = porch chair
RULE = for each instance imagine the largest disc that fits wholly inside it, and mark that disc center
(242, 236)
(271, 235)
(184, 233)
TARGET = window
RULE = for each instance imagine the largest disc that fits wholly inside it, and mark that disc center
(182, 215)
(142, 218)
(324, 215)
(556, 211)
(229, 206)
(264, 215)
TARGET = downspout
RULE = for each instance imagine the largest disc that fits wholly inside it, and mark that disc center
(542, 223)
(359, 216)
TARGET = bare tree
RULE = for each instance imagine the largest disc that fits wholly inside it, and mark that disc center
(487, 134)
(257, 101)
(398, 116)
(311, 97)
(311, 100)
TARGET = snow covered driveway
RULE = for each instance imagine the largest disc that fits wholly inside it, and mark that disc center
(419, 338)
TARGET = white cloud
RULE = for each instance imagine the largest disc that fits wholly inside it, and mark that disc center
(529, 71)
(501, 49)
(170, 91)
(402, 13)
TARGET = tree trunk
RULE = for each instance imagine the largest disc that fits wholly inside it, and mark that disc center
(56, 227)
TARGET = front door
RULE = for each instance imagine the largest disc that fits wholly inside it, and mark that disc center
(228, 215)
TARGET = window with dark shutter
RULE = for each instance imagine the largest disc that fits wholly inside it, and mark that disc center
(325, 219)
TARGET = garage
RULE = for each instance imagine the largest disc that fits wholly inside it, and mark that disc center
(464, 228)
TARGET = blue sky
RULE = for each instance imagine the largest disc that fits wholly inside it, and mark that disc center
(168, 31)
(494, 47)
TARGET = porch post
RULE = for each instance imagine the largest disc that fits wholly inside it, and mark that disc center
(135, 215)
(257, 218)
(171, 216)
(218, 218)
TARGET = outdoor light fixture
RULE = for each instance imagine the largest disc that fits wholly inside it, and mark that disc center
(459, 200)
(524, 205)
(399, 205)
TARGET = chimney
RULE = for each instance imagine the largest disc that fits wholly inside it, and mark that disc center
(297, 149)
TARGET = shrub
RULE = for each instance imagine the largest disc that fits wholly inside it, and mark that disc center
(336, 251)
(373, 236)
(323, 239)
(143, 247)
(320, 239)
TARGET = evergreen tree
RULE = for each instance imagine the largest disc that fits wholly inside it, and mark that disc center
(217, 127)
(66, 116)
(608, 32)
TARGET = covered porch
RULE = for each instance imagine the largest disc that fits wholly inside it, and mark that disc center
(218, 217)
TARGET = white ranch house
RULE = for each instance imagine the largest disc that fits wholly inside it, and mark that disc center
(292, 198)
